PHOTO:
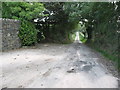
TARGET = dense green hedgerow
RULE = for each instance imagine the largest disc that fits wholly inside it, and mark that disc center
(28, 33)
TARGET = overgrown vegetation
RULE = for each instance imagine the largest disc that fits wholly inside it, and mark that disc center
(104, 34)
(28, 33)
(104, 28)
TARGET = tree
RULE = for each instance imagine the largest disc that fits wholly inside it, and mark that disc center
(22, 10)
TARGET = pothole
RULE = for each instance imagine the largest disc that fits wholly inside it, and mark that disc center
(78, 66)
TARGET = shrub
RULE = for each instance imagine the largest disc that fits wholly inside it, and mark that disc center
(28, 33)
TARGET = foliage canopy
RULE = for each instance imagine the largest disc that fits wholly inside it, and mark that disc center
(22, 10)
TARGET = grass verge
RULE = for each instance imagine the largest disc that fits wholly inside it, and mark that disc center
(110, 57)
(115, 59)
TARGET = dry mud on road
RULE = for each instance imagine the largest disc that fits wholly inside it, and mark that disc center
(55, 66)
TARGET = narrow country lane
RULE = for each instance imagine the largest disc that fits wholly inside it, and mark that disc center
(55, 66)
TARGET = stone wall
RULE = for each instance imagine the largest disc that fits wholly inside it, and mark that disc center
(9, 32)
